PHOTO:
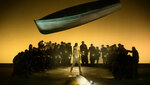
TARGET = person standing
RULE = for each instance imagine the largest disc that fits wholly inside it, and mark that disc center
(104, 53)
(135, 56)
(76, 58)
(62, 53)
(97, 54)
(84, 53)
(92, 54)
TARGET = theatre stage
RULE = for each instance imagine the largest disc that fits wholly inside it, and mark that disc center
(58, 76)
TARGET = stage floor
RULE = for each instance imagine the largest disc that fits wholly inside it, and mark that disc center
(58, 76)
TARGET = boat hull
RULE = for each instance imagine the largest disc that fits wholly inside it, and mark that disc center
(47, 26)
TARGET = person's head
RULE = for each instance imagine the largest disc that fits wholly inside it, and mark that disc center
(119, 45)
(26, 50)
(58, 46)
(114, 47)
(102, 46)
(122, 46)
(107, 46)
(82, 42)
(97, 48)
(76, 44)
(91, 45)
(133, 48)
(65, 44)
(62, 42)
(50, 42)
(30, 46)
(69, 43)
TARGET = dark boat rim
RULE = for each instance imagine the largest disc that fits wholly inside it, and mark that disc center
(95, 6)
(76, 16)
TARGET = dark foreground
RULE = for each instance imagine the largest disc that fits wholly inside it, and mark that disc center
(58, 76)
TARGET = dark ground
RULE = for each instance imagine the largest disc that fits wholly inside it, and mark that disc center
(58, 76)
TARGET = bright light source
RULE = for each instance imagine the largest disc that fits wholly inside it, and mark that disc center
(79, 80)
(91, 82)
(82, 80)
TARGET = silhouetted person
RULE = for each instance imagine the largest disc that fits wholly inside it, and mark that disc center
(49, 54)
(92, 54)
(66, 55)
(135, 57)
(104, 53)
(97, 54)
(111, 55)
(62, 53)
(21, 63)
(122, 59)
(41, 44)
(56, 58)
(69, 54)
(84, 53)
(30, 47)
(16, 64)
(113, 59)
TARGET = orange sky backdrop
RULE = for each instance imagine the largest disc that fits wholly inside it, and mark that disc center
(129, 26)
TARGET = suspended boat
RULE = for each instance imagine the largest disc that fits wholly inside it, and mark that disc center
(76, 15)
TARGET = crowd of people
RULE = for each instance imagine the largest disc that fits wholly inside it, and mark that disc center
(49, 55)
(120, 62)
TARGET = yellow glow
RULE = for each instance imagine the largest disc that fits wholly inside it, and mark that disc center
(129, 26)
